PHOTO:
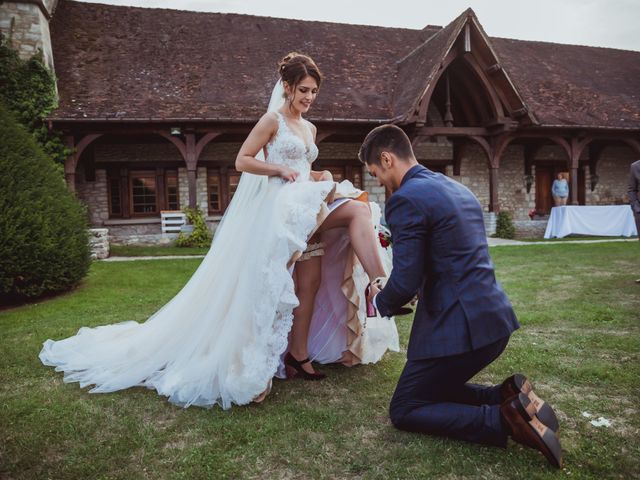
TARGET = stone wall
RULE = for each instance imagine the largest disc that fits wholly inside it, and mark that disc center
(138, 232)
(94, 195)
(530, 228)
(474, 174)
(99, 243)
(27, 29)
(512, 191)
(613, 177)
(183, 187)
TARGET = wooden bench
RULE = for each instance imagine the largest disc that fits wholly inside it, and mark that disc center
(172, 220)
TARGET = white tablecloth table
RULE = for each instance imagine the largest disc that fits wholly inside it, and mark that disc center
(605, 220)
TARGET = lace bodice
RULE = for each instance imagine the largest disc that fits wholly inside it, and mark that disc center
(287, 148)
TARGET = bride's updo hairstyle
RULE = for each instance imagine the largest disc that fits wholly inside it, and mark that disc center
(296, 66)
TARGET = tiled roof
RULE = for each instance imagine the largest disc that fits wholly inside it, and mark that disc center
(574, 85)
(138, 63)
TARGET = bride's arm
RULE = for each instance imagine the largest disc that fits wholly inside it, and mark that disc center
(259, 136)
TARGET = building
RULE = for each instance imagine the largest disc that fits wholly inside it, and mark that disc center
(156, 103)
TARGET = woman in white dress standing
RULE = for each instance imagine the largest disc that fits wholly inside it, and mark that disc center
(223, 337)
(301, 80)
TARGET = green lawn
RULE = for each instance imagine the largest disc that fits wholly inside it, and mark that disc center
(579, 307)
(573, 238)
(145, 251)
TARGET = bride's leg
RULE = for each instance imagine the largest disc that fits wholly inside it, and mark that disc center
(307, 279)
(356, 216)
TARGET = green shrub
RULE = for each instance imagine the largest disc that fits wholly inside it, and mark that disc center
(28, 90)
(44, 246)
(504, 226)
(200, 237)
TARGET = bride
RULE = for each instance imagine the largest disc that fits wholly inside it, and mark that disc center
(288, 266)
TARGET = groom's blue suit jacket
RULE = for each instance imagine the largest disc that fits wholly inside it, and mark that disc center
(440, 252)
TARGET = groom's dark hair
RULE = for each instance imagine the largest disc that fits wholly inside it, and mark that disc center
(385, 138)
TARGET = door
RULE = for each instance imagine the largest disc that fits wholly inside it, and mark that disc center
(544, 180)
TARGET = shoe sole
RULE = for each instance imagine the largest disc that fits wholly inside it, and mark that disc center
(547, 441)
(544, 412)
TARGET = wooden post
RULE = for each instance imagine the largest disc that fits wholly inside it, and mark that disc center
(493, 149)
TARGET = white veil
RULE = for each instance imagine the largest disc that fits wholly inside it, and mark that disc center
(251, 188)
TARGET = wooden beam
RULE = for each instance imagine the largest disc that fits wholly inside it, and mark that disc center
(206, 139)
(634, 144)
(493, 94)
(451, 131)
(323, 135)
(423, 103)
(493, 69)
(467, 38)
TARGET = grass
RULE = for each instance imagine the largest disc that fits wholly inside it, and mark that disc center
(573, 238)
(578, 305)
(146, 251)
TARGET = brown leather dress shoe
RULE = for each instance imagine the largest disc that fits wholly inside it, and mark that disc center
(520, 414)
(518, 383)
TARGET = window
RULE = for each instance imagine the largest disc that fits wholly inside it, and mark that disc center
(356, 178)
(214, 192)
(143, 192)
(337, 172)
(353, 173)
(172, 195)
(234, 179)
(222, 183)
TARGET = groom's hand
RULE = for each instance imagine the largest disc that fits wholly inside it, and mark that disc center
(373, 291)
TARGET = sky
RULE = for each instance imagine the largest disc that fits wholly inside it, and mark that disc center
(599, 23)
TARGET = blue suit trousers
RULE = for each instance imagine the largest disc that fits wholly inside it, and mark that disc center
(433, 397)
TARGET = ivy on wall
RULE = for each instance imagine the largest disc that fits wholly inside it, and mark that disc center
(28, 90)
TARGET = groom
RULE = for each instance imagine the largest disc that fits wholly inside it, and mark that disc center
(463, 320)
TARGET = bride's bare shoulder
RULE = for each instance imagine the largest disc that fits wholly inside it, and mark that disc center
(268, 123)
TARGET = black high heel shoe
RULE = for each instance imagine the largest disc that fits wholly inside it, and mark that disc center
(295, 370)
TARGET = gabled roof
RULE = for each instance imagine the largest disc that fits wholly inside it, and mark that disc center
(138, 63)
(418, 69)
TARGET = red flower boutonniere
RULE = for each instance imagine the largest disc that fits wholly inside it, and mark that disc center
(384, 236)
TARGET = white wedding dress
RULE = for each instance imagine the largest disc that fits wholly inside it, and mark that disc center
(221, 339)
